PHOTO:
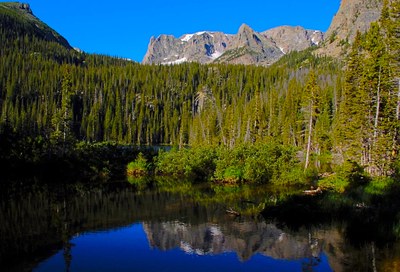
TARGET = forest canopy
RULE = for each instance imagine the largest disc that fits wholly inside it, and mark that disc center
(330, 111)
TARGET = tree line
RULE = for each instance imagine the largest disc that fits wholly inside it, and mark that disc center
(330, 111)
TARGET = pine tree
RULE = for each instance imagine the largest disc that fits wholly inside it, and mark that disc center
(62, 118)
(311, 102)
(351, 127)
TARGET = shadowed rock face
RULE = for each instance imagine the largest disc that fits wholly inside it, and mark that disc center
(246, 47)
(353, 16)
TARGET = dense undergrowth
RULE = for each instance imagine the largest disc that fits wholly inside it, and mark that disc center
(259, 164)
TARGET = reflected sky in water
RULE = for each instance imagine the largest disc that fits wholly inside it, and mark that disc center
(128, 249)
(115, 227)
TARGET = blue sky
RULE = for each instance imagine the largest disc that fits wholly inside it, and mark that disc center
(123, 28)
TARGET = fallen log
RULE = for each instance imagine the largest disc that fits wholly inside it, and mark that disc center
(231, 211)
(313, 192)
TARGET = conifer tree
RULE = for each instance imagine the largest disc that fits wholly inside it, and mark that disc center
(351, 125)
(311, 102)
(62, 118)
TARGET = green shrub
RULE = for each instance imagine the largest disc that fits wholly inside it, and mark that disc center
(170, 162)
(294, 176)
(334, 183)
(271, 163)
(348, 177)
(258, 166)
(379, 186)
(200, 162)
(233, 174)
(354, 173)
(230, 164)
(195, 163)
(138, 167)
(257, 170)
(261, 163)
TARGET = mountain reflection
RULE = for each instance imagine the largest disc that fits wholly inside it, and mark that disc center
(244, 238)
(40, 221)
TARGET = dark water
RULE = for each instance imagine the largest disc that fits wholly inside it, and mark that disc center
(116, 227)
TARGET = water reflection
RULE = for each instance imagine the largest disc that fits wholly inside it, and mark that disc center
(92, 228)
(246, 239)
(93, 251)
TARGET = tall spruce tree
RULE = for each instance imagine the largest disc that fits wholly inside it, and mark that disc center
(311, 100)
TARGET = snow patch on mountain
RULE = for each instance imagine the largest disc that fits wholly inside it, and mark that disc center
(188, 37)
(216, 55)
(314, 38)
(178, 61)
(210, 46)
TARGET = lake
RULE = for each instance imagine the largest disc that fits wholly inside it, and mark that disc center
(174, 226)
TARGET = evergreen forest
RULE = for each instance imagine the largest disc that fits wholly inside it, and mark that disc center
(305, 112)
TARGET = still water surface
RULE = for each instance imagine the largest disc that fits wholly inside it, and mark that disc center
(129, 249)
(115, 227)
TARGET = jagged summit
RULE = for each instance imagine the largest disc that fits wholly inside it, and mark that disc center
(203, 47)
(247, 37)
(247, 46)
(264, 48)
(251, 47)
(244, 28)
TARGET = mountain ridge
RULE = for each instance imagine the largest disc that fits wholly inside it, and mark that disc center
(13, 12)
(245, 47)
(265, 48)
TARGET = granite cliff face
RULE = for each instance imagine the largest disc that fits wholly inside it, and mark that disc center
(250, 47)
(246, 47)
(353, 16)
(294, 38)
(264, 48)
(203, 47)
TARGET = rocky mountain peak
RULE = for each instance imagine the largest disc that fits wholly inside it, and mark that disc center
(25, 7)
(245, 28)
(246, 47)
(248, 37)
(251, 47)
